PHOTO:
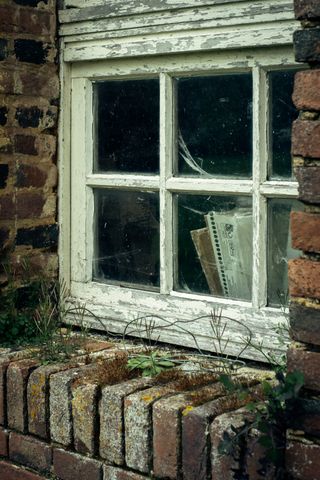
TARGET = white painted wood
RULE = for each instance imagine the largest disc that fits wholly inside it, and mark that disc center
(209, 185)
(177, 42)
(166, 165)
(191, 19)
(280, 189)
(123, 181)
(259, 204)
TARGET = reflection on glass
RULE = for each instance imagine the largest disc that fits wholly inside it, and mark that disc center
(215, 245)
(215, 125)
(283, 114)
(127, 126)
(126, 237)
(279, 249)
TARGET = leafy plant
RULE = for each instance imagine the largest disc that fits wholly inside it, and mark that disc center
(151, 363)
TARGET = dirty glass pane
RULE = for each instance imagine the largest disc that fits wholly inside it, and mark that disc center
(283, 113)
(126, 237)
(279, 249)
(127, 126)
(215, 245)
(215, 125)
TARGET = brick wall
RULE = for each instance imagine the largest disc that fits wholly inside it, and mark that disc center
(303, 452)
(29, 91)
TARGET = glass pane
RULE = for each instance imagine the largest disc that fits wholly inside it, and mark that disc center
(215, 132)
(126, 237)
(279, 249)
(127, 126)
(283, 114)
(215, 245)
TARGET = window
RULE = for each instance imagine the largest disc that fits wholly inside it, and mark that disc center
(181, 190)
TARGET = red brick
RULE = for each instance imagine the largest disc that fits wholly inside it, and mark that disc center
(36, 22)
(113, 473)
(25, 144)
(71, 466)
(44, 82)
(303, 414)
(307, 9)
(4, 436)
(9, 19)
(305, 323)
(304, 278)
(17, 377)
(306, 138)
(31, 176)
(29, 204)
(303, 460)
(306, 94)
(7, 207)
(12, 472)
(30, 452)
(309, 184)
(307, 362)
(257, 464)
(305, 231)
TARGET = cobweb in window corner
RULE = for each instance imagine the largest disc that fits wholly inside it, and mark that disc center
(188, 158)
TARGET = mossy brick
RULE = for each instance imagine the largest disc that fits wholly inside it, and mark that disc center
(307, 9)
(43, 236)
(138, 425)
(17, 377)
(71, 466)
(38, 396)
(4, 442)
(308, 184)
(111, 418)
(31, 51)
(307, 362)
(3, 115)
(304, 278)
(305, 231)
(4, 172)
(114, 473)
(30, 452)
(306, 138)
(8, 471)
(302, 459)
(3, 49)
(85, 418)
(305, 323)
(307, 45)
(227, 466)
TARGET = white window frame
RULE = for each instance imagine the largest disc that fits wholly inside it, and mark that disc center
(115, 306)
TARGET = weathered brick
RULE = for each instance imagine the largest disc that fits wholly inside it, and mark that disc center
(30, 452)
(3, 49)
(305, 231)
(309, 184)
(307, 9)
(38, 237)
(85, 417)
(32, 3)
(257, 465)
(227, 466)
(306, 94)
(7, 207)
(114, 473)
(17, 377)
(306, 138)
(71, 466)
(25, 144)
(305, 323)
(44, 82)
(6, 79)
(36, 22)
(31, 51)
(29, 116)
(4, 237)
(9, 19)
(303, 414)
(4, 438)
(303, 460)
(4, 171)
(300, 359)
(138, 426)
(29, 204)
(304, 278)
(307, 45)
(111, 418)
(13, 472)
(31, 176)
